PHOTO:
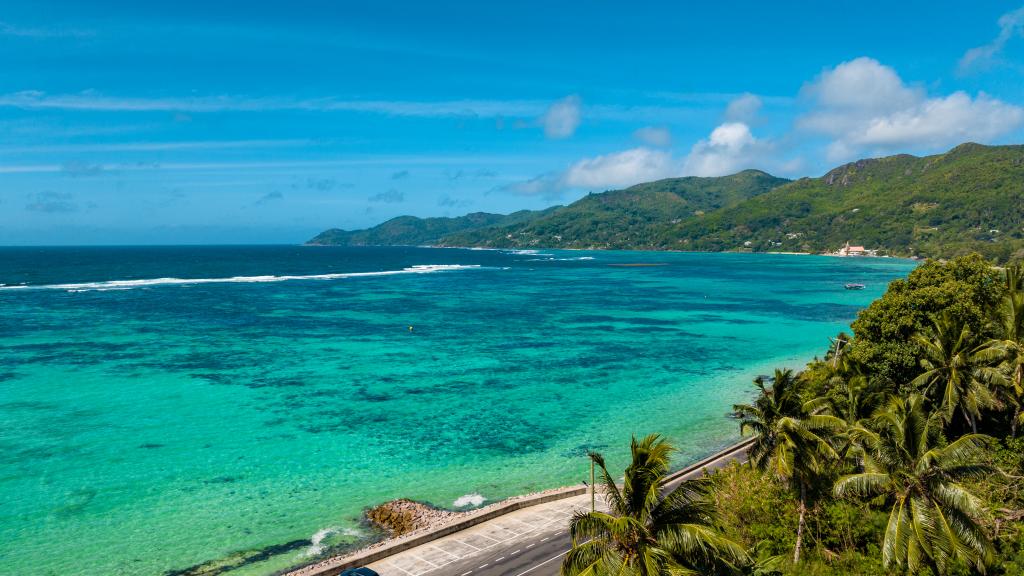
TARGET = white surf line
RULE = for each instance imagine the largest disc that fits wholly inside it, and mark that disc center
(106, 285)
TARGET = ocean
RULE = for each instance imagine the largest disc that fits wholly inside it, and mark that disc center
(233, 410)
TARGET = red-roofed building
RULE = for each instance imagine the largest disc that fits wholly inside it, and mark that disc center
(852, 250)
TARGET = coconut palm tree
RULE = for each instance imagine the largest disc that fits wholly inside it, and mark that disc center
(934, 519)
(646, 533)
(852, 399)
(786, 443)
(1008, 349)
(952, 378)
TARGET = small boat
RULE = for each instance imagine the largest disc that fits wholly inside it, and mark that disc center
(854, 286)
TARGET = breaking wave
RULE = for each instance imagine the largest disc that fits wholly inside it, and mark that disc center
(469, 500)
(317, 545)
(130, 284)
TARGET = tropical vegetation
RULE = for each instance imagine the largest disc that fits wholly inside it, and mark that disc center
(646, 532)
(896, 452)
(963, 201)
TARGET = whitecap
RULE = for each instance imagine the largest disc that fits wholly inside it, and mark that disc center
(129, 284)
(526, 252)
(473, 499)
(316, 541)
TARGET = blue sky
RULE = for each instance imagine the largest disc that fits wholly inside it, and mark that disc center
(240, 122)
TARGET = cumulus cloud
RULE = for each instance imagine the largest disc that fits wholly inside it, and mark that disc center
(562, 118)
(865, 105)
(731, 147)
(654, 136)
(863, 84)
(1010, 24)
(743, 108)
(51, 202)
(620, 169)
(392, 196)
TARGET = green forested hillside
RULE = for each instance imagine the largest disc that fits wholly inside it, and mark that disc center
(626, 219)
(970, 199)
(413, 231)
(616, 219)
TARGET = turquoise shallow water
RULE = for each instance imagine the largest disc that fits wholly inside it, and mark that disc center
(148, 427)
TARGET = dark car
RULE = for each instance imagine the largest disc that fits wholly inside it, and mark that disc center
(362, 571)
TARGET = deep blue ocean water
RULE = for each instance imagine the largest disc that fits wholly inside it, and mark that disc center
(166, 407)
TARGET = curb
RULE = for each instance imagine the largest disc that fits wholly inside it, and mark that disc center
(336, 565)
(742, 445)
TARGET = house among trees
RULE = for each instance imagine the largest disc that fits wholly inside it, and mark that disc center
(853, 251)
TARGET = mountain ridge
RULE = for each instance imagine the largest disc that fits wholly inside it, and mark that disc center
(966, 199)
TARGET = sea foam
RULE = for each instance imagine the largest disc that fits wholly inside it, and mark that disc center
(145, 283)
(316, 541)
(469, 500)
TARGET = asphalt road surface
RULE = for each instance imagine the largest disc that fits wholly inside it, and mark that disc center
(542, 556)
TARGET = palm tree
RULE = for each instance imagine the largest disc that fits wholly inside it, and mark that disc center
(951, 361)
(646, 533)
(934, 520)
(786, 442)
(1009, 348)
(852, 400)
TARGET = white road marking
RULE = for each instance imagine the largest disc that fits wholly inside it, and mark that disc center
(531, 569)
(482, 567)
(517, 551)
(545, 539)
(422, 559)
(468, 544)
(530, 545)
(400, 568)
(467, 572)
(499, 559)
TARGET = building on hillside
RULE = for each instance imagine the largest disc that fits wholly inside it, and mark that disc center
(852, 250)
(848, 250)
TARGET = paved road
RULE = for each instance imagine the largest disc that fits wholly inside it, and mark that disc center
(527, 542)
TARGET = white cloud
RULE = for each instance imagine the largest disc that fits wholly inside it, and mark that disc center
(865, 106)
(654, 136)
(1010, 24)
(862, 84)
(731, 147)
(562, 118)
(743, 108)
(157, 146)
(621, 169)
(94, 101)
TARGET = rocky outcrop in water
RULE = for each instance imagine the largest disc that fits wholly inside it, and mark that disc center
(402, 516)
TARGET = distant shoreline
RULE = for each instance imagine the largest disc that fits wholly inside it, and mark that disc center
(649, 250)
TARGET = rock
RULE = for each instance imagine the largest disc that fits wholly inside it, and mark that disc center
(402, 516)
